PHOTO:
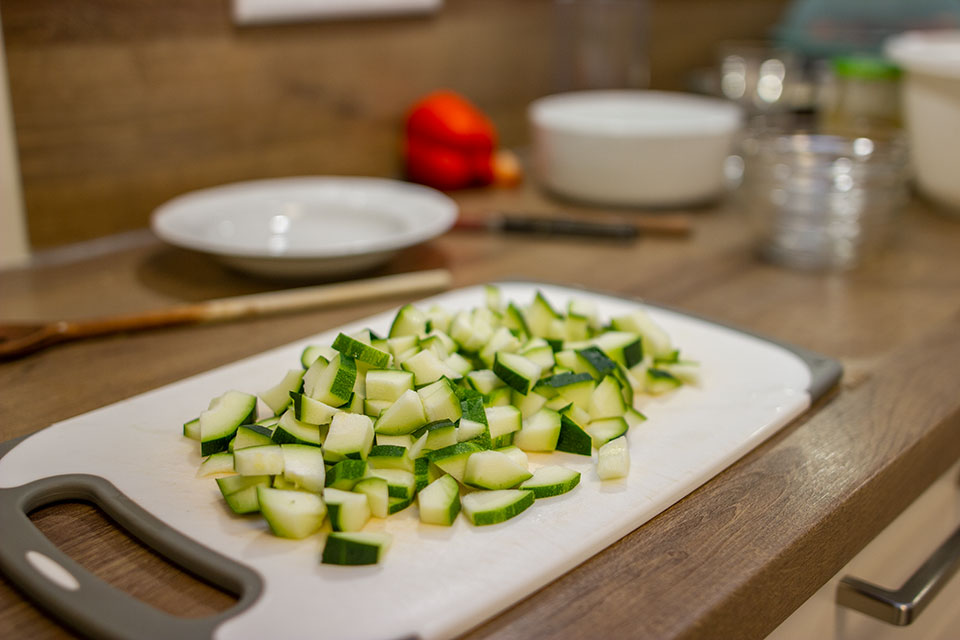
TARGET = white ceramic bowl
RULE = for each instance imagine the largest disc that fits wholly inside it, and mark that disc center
(931, 105)
(311, 226)
(633, 148)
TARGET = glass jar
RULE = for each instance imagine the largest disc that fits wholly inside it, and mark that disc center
(822, 202)
(862, 97)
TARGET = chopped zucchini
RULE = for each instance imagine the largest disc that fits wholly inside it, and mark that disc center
(334, 385)
(387, 384)
(552, 480)
(516, 371)
(251, 435)
(439, 501)
(409, 321)
(540, 432)
(289, 430)
(291, 514)
(406, 415)
(310, 410)
(303, 466)
(258, 461)
(573, 438)
(240, 492)
(613, 460)
(358, 548)
(219, 423)
(350, 436)
(216, 464)
(348, 511)
(493, 470)
(400, 483)
(390, 456)
(606, 429)
(361, 352)
(378, 495)
(369, 425)
(492, 507)
(277, 397)
(453, 459)
(346, 473)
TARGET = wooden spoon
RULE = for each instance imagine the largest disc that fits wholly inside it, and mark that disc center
(19, 339)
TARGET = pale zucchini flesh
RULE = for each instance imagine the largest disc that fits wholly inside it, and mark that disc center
(406, 415)
(191, 429)
(259, 461)
(613, 459)
(216, 464)
(439, 501)
(387, 384)
(378, 495)
(291, 514)
(453, 459)
(540, 432)
(493, 470)
(245, 501)
(350, 436)
(303, 466)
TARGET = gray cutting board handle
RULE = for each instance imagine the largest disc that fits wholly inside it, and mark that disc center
(83, 601)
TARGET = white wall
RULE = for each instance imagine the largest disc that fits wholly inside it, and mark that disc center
(14, 248)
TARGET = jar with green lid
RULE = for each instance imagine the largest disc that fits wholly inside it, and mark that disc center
(862, 96)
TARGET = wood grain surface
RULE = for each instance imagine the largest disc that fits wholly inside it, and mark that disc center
(733, 559)
(120, 106)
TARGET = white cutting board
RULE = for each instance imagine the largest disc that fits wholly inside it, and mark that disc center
(435, 582)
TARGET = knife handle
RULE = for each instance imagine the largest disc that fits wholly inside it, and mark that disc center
(568, 227)
(82, 601)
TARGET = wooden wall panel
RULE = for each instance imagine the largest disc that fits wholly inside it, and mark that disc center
(121, 104)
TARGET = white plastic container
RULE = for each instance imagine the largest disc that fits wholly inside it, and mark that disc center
(931, 103)
(633, 148)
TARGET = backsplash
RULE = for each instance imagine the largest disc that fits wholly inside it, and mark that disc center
(121, 106)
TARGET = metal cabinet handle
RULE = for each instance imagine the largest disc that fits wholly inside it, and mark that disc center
(901, 607)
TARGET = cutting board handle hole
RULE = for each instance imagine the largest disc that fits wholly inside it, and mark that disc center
(91, 538)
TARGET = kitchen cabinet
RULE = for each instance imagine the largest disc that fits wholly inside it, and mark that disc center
(888, 561)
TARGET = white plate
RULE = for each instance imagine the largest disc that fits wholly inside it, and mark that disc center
(306, 226)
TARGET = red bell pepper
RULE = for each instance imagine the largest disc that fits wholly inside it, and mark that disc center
(449, 143)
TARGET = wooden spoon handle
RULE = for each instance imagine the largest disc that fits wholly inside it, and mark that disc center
(264, 303)
(677, 224)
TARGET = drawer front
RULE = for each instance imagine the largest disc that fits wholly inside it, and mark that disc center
(889, 560)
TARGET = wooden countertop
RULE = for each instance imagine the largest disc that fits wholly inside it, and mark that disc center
(732, 559)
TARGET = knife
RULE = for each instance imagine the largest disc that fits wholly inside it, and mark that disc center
(553, 225)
